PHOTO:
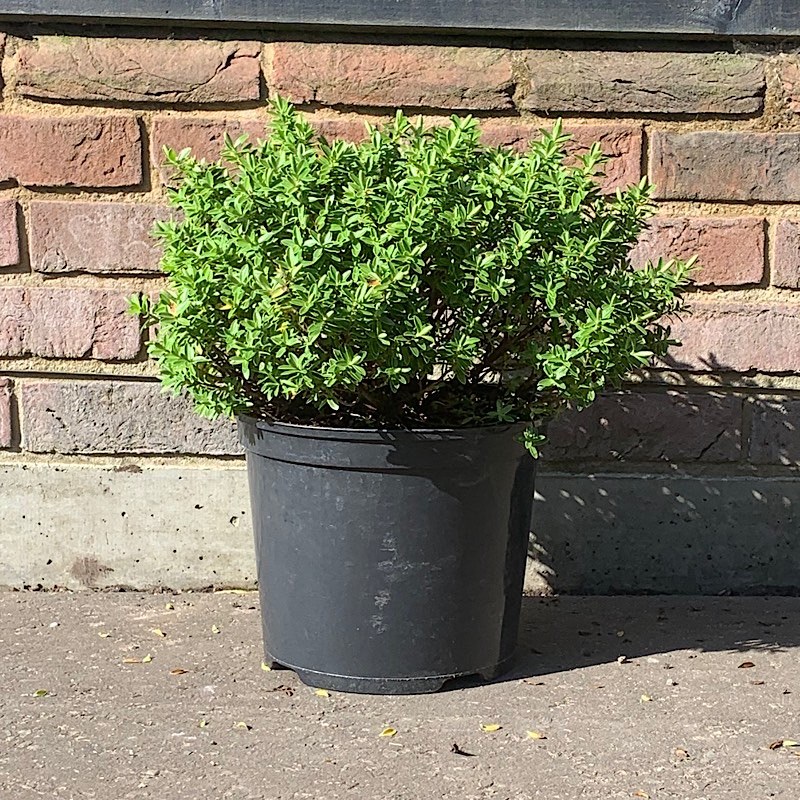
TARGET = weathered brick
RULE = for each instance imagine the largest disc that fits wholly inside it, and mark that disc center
(775, 432)
(644, 82)
(70, 151)
(621, 143)
(350, 129)
(117, 417)
(5, 412)
(721, 337)
(417, 76)
(726, 165)
(790, 79)
(9, 235)
(785, 265)
(730, 251)
(67, 323)
(139, 70)
(670, 426)
(93, 237)
(203, 136)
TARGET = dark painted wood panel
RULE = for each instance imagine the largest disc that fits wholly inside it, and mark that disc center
(697, 17)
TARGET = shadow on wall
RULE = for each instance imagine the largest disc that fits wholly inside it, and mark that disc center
(659, 491)
(663, 534)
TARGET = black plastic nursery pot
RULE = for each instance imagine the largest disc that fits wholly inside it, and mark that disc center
(389, 561)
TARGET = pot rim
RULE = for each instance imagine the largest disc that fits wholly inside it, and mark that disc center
(324, 431)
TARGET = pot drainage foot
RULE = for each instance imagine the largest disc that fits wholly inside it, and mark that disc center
(464, 682)
(385, 686)
(270, 662)
(394, 686)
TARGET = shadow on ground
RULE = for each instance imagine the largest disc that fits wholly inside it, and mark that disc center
(567, 633)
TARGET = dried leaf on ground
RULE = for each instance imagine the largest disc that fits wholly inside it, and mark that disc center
(178, 671)
(104, 634)
(787, 743)
(266, 667)
(622, 659)
(159, 632)
(322, 693)
(640, 793)
(202, 723)
(214, 629)
(746, 665)
(681, 753)
(244, 726)
(41, 693)
(758, 683)
(645, 698)
(490, 727)
(388, 732)
(169, 606)
(535, 735)
(130, 660)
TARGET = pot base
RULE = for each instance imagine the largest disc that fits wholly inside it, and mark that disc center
(386, 686)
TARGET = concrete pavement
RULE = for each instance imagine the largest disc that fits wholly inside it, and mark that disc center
(96, 703)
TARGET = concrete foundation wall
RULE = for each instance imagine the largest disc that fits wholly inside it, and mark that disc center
(188, 527)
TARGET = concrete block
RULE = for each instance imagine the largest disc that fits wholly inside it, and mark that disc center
(89, 527)
(188, 527)
(663, 534)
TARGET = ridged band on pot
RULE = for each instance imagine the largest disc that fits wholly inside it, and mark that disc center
(389, 561)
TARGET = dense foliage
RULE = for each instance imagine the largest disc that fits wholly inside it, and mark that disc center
(415, 279)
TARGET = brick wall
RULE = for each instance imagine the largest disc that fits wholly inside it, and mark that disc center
(84, 119)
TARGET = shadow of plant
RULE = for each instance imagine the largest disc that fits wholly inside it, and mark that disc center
(686, 489)
(564, 633)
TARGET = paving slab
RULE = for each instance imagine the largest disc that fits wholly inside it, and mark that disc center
(96, 703)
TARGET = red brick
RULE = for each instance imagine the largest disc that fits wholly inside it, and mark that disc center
(9, 234)
(785, 266)
(775, 432)
(349, 129)
(93, 237)
(139, 70)
(726, 165)
(111, 417)
(730, 251)
(790, 80)
(417, 76)
(67, 323)
(720, 337)
(669, 426)
(5, 412)
(203, 136)
(602, 82)
(621, 143)
(70, 151)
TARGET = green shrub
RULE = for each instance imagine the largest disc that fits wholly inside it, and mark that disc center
(416, 279)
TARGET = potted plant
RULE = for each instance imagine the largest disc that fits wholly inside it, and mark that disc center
(392, 323)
